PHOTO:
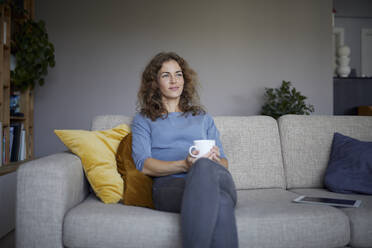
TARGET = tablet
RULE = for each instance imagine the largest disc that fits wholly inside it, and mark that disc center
(328, 201)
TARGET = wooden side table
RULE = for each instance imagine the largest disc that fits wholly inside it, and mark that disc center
(365, 110)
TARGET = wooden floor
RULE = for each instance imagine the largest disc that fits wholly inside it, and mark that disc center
(8, 241)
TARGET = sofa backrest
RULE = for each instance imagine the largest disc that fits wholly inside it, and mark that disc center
(306, 144)
(102, 122)
(251, 144)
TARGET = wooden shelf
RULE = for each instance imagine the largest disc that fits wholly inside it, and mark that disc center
(16, 118)
(6, 169)
(11, 167)
(6, 89)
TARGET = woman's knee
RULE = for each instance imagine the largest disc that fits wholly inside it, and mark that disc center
(207, 165)
(205, 168)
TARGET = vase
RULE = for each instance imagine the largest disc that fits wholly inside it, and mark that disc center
(343, 60)
(343, 71)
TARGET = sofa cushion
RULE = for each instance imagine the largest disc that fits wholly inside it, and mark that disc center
(306, 144)
(265, 218)
(350, 166)
(269, 218)
(251, 144)
(137, 186)
(252, 147)
(94, 224)
(97, 150)
(360, 218)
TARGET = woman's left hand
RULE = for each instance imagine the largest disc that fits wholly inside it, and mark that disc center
(214, 154)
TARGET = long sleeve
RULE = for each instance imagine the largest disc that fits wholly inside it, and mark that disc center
(141, 142)
(213, 133)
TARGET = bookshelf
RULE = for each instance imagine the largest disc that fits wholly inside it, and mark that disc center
(5, 23)
(6, 89)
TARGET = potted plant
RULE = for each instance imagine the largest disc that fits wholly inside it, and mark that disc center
(34, 54)
(285, 100)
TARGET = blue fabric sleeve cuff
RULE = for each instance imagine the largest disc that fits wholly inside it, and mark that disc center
(140, 162)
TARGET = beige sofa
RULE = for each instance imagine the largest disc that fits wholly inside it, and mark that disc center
(272, 162)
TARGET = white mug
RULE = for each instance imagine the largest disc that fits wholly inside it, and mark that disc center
(203, 146)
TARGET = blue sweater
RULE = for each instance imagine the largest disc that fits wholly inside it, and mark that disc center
(169, 139)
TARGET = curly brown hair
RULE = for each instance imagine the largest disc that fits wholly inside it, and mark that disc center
(150, 98)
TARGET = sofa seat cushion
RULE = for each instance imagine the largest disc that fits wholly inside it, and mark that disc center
(360, 218)
(265, 218)
(269, 218)
(95, 224)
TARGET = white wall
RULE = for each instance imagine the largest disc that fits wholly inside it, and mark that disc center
(238, 47)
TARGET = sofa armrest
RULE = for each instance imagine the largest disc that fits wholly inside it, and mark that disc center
(46, 189)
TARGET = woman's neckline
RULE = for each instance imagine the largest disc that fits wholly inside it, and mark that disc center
(173, 113)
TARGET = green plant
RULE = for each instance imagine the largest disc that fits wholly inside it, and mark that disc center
(34, 54)
(285, 100)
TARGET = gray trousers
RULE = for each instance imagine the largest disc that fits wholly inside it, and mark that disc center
(206, 199)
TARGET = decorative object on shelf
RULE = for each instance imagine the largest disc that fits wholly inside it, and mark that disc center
(366, 52)
(343, 60)
(34, 54)
(285, 100)
(333, 16)
(14, 104)
(338, 41)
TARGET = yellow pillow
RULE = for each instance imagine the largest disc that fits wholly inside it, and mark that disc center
(97, 150)
(137, 186)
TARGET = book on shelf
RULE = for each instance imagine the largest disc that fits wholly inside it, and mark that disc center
(15, 146)
(4, 33)
(22, 149)
(17, 142)
(11, 136)
(4, 158)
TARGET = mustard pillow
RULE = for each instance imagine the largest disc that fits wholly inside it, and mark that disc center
(137, 186)
(97, 150)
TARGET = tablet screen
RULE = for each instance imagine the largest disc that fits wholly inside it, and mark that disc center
(329, 200)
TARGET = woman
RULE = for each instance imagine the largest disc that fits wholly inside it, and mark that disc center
(170, 119)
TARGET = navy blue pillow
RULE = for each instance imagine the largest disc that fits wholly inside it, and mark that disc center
(350, 166)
